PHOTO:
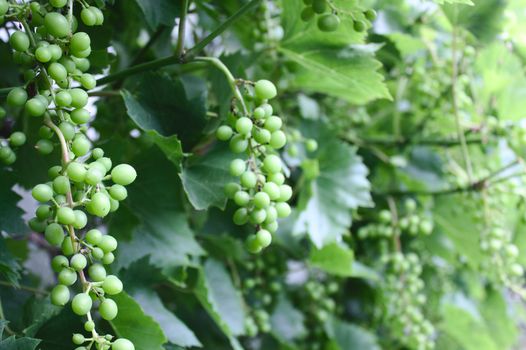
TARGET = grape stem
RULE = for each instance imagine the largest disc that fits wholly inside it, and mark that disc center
(179, 49)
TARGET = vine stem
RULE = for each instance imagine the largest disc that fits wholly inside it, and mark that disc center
(179, 49)
(22, 287)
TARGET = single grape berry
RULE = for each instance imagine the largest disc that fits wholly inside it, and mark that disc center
(272, 164)
(123, 174)
(261, 200)
(42, 193)
(97, 272)
(237, 167)
(278, 139)
(76, 172)
(244, 125)
(56, 24)
(79, 98)
(264, 238)
(273, 123)
(78, 262)
(44, 146)
(80, 146)
(359, 26)
(108, 309)
(93, 236)
(328, 22)
(81, 304)
(80, 116)
(67, 277)
(107, 243)
(43, 54)
(307, 14)
(35, 107)
(79, 42)
(370, 14)
(4, 7)
(60, 295)
(224, 133)
(54, 234)
(118, 192)
(78, 339)
(65, 216)
(99, 204)
(88, 17)
(122, 344)
(17, 97)
(319, 6)
(265, 89)
(112, 285)
(19, 41)
(17, 139)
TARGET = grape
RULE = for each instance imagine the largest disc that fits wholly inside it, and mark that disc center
(42, 193)
(311, 145)
(108, 243)
(248, 179)
(88, 81)
(278, 139)
(79, 42)
(108, 258)
(242, 198)
(261, 200)
(78, 262)
(81, 219)
(272, 190)
(19, 41)
(370, 14)
(35, 107)
(97, 153)
(123, 174)
(118, 192)
(112, 285)
(76, 172)
(272, 215)
(307, 14)
(17, 97)
(264, 238)
(94, 176)
(88, 17)
(78, 339)
(99, 204)
(42, 54)
(259, 113)
(237, 167)
(68, 130)
(58, 3)
(238, 144)
(319, 6)
(285, 193)
(273, 123)
(271, 226)
(265, 90)
(98, 13)
(277, 178)
(328, 22)
(54, 234)
(240, 216)
(93, 236)
(58, 72)
(224, 133)
(244, 125)
(106, 162)
(56, 24)
(79, 98)
(258, 216)
(97, 253)
(253, 245)
(359, 26)
(61, 184)
(63, 99)
(4, 7)
(43, 211)
(80, 116)
(97, 272)
(44, 146)
(89, 326)
(60, 295)
(59, 262)
(67, 277)
(122, 344)
(65, 216)
(56, 52)
(45, 132)
(17, 139)
(262, 136)
(81, 304)
(67, 247)
(108, 309)
(272, 163)
(283, 209)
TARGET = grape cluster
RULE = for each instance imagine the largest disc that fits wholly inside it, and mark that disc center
(404, 301)
(262, 194)
(329, 22)
(297, 141)
(54, 58)
(412, 223)
(7, 146)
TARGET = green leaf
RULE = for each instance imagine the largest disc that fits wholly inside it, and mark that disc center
(341, 186)
(204, 177)
(347, 336)
(9, 267)
(133, 324)
(287, 322)
(10, 214)
(159, 11)
(14, 343)
(463, 2)
(38, 312)
(499, 319)
(56, 332)
(221, 300)
(334, 258)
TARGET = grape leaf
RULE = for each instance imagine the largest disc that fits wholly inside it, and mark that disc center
(204, 178)
(346, 336)
(56, 332)
(286, 321)
(133, 324)
(9, 266)
(10, 214)
(334, 258)
(499, 319)
(14, 343)
(159, 11)
(221, 300)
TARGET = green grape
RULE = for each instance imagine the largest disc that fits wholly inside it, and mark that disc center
(242, 198)
(56, 52)
(224, 133)
(112, 285)
(99, 204)
(122, 344)
(272, 164)
(61, 184)
(68, 130)
(272, 215)
(311, 145)
(272, 190)
(240, 216)
(60, 295)
(123, 174)
(97, 153)
(106, 162)
(65, 216)
(80, 116)
(259, 113)
(108, 309)
(44, 146)
(79, 98)
(237, 167)
(307, 14)
(59, 262)
(328, 22)
(98, 13)
(35, 107)
(42, 54)
(17, 139)
(97, 272)
(253, 245)
(278, 139)
(81, 64)
(78, 262)
(359, 26)
(283, 209)
(258, 216)
(277, 178)
(58, 3)
(58, 72)
(93, 236)
(81, 219)
(89, 326)
(63, 99)
(56, 24)
(118, 192)
(370, 14)
(45, 132)
(80, 146)
(88, 81)
(81, 304)
(108, 258)
(265, 89)
(42, 193)
(248, 179)
(79, 42)
(285, 193)
(67, 277)
(43, 211)
(88, 17)
(271, 227)
(97, 253)
(238, 144)
(319, 6)
(261, 200)
(94, 176)
(264, 238)
(67, 247)
(17, 97)
(19, 41)
(4, 7)
(108, 243)
(76, 172)
(273, 123)
(231, 189)
(78, 339)
(3, 113)
(262, 136)
(244, 125)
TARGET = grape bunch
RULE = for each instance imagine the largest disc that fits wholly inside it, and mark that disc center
(412, 223)
(405, 300)
(54, 58)
(329, 22)
(262, 194)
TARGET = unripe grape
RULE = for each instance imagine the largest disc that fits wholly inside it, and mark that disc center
(43, 212)
(17, 97)
(231, 189)
(97, 253)
(76, 172)
(4, 7)
(97, 272)
(277, 178)
(93, 176)
(80, 116)
(88, 17)
(258, 216)
(108, 243)
(123, 174)
(60, 295)
(97, 153)
(56, 52)
(359, 26)
(242, 198)
(253, 245)
(278, 139)
(264, 238)
(79, 97)
(108, 258)
(80, 146)
(81, 304)
(59, 262)
(106, 162)
(79, 42)
(283, 209)
(93, 236)
(237, 167)
(88, 81)
(44, 146)
(272, 164)
(244, 125)
(35, 107)
(240, 216)
(238, 144)
(81, 64)
(67, 277)
(17, 139)
(108, 309)
(68, 130)
(89, 326)
(118, 192)
(78, 339)
(224, 133)
(370, 14)
(19, 41)
(42, 54)
(262, 136)
(261, 200)
(271, 226)
(319, 6)
(65, 216)
(328, 23)
(45, 132)
(273, 123)
(272, 215)
(112, 285)
(311, 145)
(272, 190)
(248, 179)
(516, 270)
(67, 247)
(512, 251)
(99, 204)
(42, 192)
(58, 72)
(285, 193)
(259, 113)
(122, 344)
(63, 99)
(61, 184)
(56, 24)
(265, 89)
(78, 262)
(307, 14)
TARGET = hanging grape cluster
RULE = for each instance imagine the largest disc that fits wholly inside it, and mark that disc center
(404, 301)
(54, 58)
(262, 194)
(328, 19)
